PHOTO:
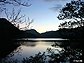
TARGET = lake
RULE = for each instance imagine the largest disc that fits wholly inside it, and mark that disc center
(52, 49)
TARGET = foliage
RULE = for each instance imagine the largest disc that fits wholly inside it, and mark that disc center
(38, 58)
(69, 24)
(65, 55)
(73, 10)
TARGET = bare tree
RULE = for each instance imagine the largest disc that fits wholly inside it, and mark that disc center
(16, 18)
(5, 3)
(14, 2)
(27, 23)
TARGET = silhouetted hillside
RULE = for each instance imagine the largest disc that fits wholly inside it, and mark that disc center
(74, 33)
(30, 34)
(8, 30)
(50, 34)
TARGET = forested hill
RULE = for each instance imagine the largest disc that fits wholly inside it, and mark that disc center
(7, 30)
(73, 33)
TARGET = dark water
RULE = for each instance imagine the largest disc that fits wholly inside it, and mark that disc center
(42, 51)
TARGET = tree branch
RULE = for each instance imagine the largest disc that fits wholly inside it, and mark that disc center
(15, 2)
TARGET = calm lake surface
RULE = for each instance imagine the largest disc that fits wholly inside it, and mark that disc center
(30, 47)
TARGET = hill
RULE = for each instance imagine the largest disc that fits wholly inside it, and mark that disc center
(8, 30)
(50, 34)
(73, 33)
(30, 34)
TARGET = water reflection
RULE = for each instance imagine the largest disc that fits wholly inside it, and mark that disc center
(7, 47)
(71, 53)
(46, 52)
(28, 44)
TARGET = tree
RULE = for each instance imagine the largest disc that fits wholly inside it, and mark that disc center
(16, 19)
(15, 16)
(63, 25)
(27, 23)
(73, 10)
(4, 3)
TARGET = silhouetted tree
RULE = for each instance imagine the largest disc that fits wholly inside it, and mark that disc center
(63, 25)
(70, 24)
(27, 23)
(4, 3)
(73, 10)
(16, 18)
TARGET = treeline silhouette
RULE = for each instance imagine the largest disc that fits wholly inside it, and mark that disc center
(9, 31)
(73, 33)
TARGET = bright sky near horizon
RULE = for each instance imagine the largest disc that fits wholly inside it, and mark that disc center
(44, 13)
(45, 17)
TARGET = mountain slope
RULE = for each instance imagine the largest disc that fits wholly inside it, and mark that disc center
(74, 33)
(50, 34)
(31, 34)
(7, 30)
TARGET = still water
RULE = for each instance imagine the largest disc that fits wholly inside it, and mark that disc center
(30, 47)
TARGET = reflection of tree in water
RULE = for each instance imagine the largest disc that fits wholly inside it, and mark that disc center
(68, 54)
(9, 59)
(38, 58)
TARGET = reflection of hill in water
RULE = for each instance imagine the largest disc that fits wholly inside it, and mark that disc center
(70, 47)
(7, 47)
(71, 43)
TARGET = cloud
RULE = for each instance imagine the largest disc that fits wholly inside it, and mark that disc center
(58, 4)
(57, 7)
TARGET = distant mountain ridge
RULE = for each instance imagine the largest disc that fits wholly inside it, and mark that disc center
(32, 33)
(50, 34)
(74, 33)
(9, 31)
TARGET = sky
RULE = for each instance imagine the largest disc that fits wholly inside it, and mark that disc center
(44, 13)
